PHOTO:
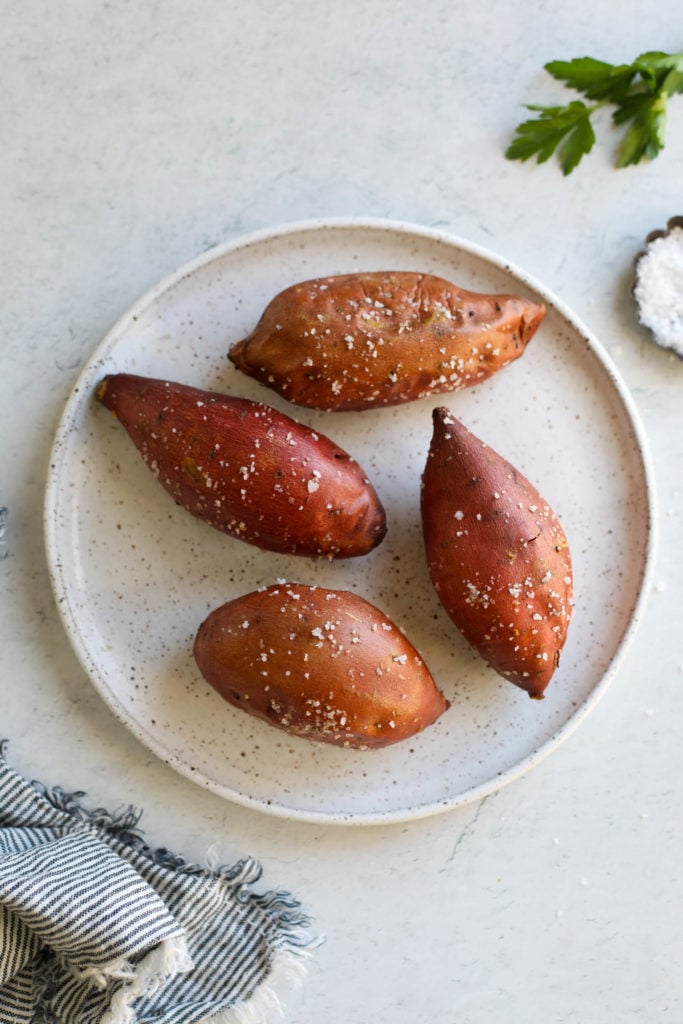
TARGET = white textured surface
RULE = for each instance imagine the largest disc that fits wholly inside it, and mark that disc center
(136, 137)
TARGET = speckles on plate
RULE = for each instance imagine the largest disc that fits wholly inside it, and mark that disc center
(565, 422)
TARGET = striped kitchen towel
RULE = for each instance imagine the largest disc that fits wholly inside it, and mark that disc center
(98, 928)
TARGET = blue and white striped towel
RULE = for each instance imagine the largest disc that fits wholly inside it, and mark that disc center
(97, 928)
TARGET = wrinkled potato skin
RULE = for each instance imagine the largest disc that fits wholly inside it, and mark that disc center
(359, 341)
(497, 555)
(249, 470)
(320, 664)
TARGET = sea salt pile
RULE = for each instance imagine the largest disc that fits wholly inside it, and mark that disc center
(659, 289)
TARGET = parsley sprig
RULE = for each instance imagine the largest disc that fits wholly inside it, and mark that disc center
(637, 91)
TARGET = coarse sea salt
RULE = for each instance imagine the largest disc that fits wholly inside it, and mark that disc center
(658, 289)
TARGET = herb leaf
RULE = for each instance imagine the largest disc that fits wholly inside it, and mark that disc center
(638, 92)
(578, 144)
(645, 136)
(540, 137)
(594, 78)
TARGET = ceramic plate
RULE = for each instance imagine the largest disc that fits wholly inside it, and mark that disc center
(134, 575)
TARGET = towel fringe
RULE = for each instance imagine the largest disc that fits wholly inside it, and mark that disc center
(288, 972)
(169, 958)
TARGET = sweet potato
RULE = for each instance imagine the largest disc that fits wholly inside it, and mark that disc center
(497, 554)
(358, 341)
(247, 469)
(320, 664)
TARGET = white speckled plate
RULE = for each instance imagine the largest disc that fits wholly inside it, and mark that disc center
(134, 575)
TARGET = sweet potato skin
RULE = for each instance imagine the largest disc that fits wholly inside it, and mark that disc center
(497, 554)
(320, 664)
(359, 341)
(247, 469)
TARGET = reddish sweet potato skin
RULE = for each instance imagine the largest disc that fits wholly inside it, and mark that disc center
(247, 469)
(497, 554)
(359, 341)
(320, 664)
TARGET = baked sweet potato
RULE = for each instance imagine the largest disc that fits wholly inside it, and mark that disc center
(497, 555)
(320, 664)
(358, 341)
(247, 469)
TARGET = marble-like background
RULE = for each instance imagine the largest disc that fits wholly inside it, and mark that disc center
(135, 136)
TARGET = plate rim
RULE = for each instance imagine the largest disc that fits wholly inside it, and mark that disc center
(391, 226)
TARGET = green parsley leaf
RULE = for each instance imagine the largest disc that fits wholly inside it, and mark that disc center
(645, 136)
(577, 145)
(673, 82)
(655, 66)
(594, 78)
(540, 137)
(638, 91)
